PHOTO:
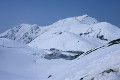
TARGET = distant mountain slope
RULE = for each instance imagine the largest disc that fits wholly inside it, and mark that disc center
(24, 33)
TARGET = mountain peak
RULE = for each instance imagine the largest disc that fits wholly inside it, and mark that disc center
(82, 17)
(85, 19)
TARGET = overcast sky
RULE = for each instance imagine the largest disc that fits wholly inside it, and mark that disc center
(46, 12)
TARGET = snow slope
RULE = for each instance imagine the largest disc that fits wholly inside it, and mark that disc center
(19, 62)
(65, 41)
(103, 64)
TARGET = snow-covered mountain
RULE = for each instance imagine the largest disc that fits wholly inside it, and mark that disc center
(76, 48)
(85, 26)
(77, 33)
(24, 33)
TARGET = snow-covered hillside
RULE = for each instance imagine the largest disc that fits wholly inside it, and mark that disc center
(20, 62)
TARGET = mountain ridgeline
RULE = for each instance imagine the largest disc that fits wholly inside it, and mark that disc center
(76, 33)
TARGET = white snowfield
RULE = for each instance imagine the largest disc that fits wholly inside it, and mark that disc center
(20, 62)
(27, 61)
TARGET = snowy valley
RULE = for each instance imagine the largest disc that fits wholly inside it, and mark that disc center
(75, 48)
